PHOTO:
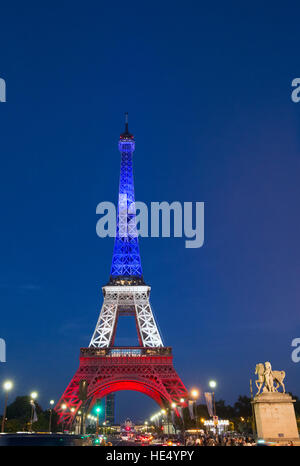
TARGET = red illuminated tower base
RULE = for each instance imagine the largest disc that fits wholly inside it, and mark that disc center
(147, 370)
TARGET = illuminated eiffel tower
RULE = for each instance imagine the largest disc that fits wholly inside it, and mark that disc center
(147, 368)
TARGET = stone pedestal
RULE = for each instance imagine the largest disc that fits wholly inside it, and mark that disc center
(275, 417)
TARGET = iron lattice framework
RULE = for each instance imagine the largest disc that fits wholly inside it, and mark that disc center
(107, 368)
(126, 300)
(126, 260)
(149, 371)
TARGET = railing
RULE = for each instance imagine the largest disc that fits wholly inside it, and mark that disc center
(120, 351)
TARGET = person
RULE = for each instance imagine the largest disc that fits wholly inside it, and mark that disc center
(198, 441)
(211, 442)
(269, 381)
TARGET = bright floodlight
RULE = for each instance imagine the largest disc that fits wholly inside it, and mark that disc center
(98, 410)
(195, 393)
(173, 405)
(63, 406)
(34, 395)
(8, 385)
(181, 400)
(212, 384)
(52, 402)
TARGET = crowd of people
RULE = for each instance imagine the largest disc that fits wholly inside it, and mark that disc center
(210, 440)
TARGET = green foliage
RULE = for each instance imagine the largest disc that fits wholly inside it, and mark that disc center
(18, 416)
(21, 408)
(14, 425)
(242, 407)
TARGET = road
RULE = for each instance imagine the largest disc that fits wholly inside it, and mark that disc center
(117, 441)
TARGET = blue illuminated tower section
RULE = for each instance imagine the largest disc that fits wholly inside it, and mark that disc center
(106, 367)
(126, 262)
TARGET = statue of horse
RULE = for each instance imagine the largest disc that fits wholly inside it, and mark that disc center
(278, 377)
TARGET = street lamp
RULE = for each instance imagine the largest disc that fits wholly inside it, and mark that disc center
(50, 416)
(213, 384)
(63, 407)
(7, 386)
(98, 409)
(195, 393)
(173, 406)
(33, 396)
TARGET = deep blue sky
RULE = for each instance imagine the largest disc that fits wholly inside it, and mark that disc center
(207, 88)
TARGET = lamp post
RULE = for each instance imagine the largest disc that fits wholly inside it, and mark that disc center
(213, 384)
(173, 406)
(182, 401)
(72, 425)
(105, 427)
(7, 386)
(33, 397)
(163, 412)
(63, 407)
(50, 415)
(195, 396)
(98, 409)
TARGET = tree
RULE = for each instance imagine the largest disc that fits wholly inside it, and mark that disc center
(14, 425)
(224, 411)
(242, 407)
(21, 408)
(19, 414)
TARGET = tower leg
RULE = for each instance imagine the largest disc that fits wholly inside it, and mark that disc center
(104, 330)
(146, 321)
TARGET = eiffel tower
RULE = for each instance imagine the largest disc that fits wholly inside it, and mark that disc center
(147, 368)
